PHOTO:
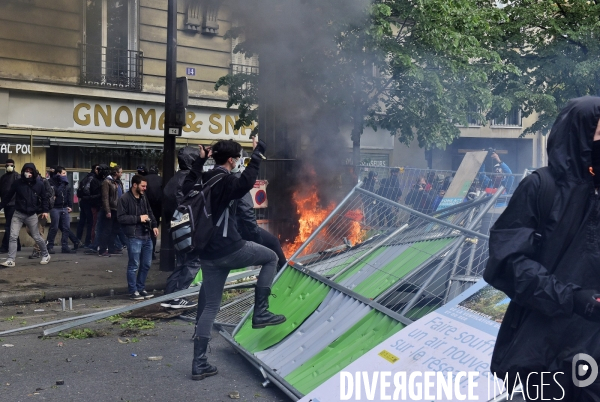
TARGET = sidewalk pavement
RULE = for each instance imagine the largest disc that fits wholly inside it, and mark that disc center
(69, 275)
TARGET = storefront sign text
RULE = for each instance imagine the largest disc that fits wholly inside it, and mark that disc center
(141, 119)
(15, 149)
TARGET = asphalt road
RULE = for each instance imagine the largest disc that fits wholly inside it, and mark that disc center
(104, 369)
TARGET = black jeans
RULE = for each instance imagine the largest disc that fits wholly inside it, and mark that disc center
(86, 221)
(110, 230)
(271, 242)
(9, 211)
(214, 275)
(186, 269)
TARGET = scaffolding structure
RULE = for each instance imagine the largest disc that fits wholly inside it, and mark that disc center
(371, 268)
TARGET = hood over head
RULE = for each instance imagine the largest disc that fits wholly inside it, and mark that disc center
(33, 176)
(186, 157)
(571, 137)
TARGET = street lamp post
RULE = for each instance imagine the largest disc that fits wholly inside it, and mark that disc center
(167, 252)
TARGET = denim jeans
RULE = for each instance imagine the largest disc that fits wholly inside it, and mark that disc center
(214, 275)
(9, 211)
(16, 224)
(86, 221)
(60, 219)
(140, 259)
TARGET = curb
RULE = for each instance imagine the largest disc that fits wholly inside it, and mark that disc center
(34, 296)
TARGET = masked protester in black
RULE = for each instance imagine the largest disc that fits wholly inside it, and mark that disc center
(553, 314)
(6, 182)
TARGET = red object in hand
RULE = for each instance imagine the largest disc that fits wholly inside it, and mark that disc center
(598, 299)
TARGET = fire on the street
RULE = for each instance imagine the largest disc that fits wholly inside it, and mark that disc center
(311, 214)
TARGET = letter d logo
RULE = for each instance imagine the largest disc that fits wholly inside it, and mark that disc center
(583, 365)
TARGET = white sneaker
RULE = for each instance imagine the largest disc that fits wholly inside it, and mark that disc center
(45, 260)
(8, 263)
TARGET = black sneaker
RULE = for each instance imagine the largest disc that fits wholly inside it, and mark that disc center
(51, 251)
(182, 303)
(76, 245)
(168, 303)
(104, 254)
(145, 294)
(68, 251)
(90, 251)
(136, 296)
(35, 254)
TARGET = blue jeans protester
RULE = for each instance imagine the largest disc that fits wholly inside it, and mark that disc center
(60, 219)
(140, 259)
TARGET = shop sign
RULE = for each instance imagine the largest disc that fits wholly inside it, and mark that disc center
(142, 119)
(15, 149)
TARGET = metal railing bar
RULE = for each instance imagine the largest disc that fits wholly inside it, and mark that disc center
(369, 252)
(424, 216)
(371, 303)
(108, 313)
(282, 384)
(441, 265)
(414, 272)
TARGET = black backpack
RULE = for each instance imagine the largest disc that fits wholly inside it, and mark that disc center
(192, 224)
(84, 187)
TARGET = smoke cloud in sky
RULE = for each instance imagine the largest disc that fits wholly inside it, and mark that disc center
(302, 82)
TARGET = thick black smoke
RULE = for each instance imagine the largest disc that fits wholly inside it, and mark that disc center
(305, 89)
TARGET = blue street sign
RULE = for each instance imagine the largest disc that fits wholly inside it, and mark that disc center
(190, 71)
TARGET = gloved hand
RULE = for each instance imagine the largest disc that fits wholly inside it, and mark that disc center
(261, 147)
(585, 304)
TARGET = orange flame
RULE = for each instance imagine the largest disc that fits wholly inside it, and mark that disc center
(311, 215)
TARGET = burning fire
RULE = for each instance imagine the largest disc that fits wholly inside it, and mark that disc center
(311, 215)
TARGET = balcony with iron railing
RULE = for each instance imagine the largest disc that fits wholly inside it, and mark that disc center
(113, 68)
(245, 70)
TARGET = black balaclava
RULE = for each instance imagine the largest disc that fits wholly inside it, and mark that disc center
(596, 162)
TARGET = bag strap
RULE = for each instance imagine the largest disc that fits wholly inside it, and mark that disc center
(545, 201)
(211, 182)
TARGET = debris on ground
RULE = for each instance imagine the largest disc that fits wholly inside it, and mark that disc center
(155, 358)
(8, 345)
(234, 395)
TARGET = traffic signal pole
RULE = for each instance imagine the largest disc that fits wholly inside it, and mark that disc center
(167, 252)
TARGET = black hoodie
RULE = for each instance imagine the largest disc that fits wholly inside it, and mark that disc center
(30, 193)
(172, 193)
(540, 332)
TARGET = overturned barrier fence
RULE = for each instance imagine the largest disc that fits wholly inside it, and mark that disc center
(371, 268)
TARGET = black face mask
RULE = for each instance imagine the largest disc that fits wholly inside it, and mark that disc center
(596, 162)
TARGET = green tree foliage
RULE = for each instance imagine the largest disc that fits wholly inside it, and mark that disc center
(555, 48)
(415, 68)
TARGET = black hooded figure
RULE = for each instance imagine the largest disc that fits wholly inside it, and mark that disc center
(187, 265)
(553, 314)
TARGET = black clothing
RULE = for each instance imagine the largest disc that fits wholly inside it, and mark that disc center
(271, 242)
(6, 182)
(154, 191)
(390, 188)
(95, 197)
(540, 331)
(30, 193)
(129, 211)
(246, 220)
(172, 193)
(226, 190)
(62, 192)
(86, 222)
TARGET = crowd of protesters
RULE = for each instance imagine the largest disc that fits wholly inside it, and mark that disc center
(110, 220)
